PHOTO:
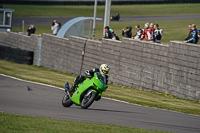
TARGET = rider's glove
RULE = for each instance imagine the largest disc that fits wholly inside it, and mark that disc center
(87, 72)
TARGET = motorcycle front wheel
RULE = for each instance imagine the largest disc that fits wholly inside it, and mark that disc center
(88, 100)
(66, 101)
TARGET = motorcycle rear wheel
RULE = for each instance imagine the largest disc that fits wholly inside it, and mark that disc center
(66, 101)
(88, 100)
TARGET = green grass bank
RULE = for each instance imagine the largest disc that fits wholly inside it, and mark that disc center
(131, 95)
(83, 10)
(172, 30)
(10, 123)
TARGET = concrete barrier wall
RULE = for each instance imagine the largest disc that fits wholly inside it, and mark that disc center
(183, 78)
(167, 68)
(62, 54)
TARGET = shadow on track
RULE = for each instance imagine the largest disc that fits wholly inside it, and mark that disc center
(114, 111)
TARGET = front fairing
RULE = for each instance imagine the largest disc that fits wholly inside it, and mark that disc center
(97, 83)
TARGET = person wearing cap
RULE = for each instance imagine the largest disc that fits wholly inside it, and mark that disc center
(31, 29)
(127, 33)
(138, 33)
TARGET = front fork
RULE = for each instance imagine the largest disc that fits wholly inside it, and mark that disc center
(88, 92)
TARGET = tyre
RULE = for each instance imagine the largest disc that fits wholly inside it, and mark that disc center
(66, 101)
(88, 100)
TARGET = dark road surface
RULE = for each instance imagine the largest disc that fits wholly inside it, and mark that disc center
(48, 20)
(45, 101)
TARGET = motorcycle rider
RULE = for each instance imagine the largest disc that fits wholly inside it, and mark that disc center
(104, 70)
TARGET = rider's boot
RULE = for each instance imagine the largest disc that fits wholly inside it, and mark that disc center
(66, 86)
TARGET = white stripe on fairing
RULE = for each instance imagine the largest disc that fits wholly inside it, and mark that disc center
(102, 97)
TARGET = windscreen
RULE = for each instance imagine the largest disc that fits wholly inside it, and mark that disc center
(101, 78)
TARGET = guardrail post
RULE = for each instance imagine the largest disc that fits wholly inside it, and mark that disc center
(39, 44)
(23, 26)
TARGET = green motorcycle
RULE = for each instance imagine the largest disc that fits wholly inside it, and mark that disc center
(86, 92)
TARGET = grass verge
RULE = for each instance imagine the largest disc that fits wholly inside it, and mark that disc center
(145, 98)
(172, 30)
(83, 10)
(28, 124)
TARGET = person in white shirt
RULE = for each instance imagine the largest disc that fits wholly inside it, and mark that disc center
(55, 28)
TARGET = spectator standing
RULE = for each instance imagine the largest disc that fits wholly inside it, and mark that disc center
(138, 33)
(190, 33)
(194, 36)
(108, 34)
(128, 32)
(31, 29)
(152, 26)
(148, 33)
(58, 23)
(157, 33)
(114, 35)
(198, 34)
(55, 28)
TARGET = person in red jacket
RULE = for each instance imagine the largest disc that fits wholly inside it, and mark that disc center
(152, 26)
(148, 33)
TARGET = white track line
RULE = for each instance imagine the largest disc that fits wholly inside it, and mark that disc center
(102, 97)
(31, 82)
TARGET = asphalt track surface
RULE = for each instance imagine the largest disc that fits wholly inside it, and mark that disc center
(48, 20)
(26, 98)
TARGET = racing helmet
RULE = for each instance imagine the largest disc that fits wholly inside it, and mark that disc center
(104, 69)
